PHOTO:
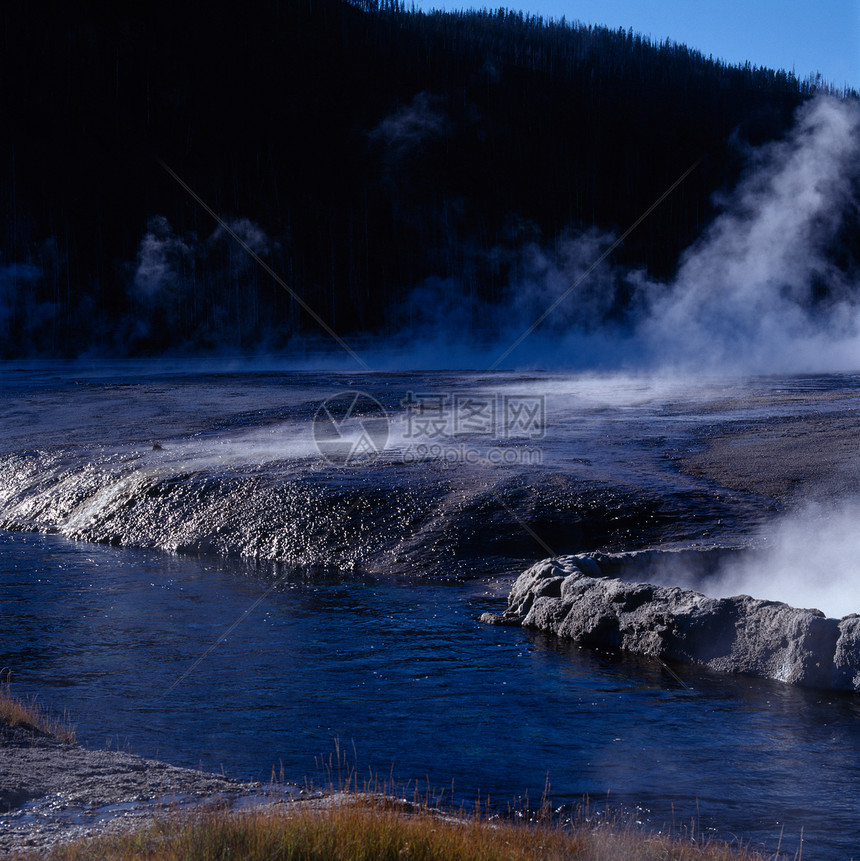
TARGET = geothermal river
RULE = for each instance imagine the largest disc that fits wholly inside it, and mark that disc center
(208, 568)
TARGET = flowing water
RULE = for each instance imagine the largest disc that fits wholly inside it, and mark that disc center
(307, 597)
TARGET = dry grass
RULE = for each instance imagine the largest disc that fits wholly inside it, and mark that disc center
(29, 714)
(368, 823)
(372, 828)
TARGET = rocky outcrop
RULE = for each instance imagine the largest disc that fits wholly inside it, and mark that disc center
(576, 597)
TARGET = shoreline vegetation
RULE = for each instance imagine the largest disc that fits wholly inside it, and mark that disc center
(369, 821)
(27, 713)
(377, 828)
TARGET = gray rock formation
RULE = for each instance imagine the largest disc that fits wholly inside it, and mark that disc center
(576, 597)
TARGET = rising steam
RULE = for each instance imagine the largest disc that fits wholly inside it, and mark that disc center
(810, 558)
(759, 291)
(771, 285)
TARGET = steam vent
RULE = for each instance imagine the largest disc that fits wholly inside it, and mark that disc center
(579, 598)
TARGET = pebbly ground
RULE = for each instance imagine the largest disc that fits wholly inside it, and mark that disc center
(51, 791)
(782, 460)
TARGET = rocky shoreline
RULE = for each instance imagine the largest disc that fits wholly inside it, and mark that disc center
(582, 599)
(52, 791)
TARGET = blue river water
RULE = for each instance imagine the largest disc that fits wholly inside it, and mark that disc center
(184, 574)
(212, 664)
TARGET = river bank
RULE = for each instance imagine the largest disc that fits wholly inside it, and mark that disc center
(52, 791)
(62, 801)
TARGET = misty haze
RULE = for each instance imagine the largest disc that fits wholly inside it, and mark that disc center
(473, 392)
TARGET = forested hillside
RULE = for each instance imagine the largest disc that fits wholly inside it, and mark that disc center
(359, 148)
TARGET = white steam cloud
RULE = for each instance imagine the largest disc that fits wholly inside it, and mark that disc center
(759, 292)
(161, 259)
(744, 297)
(810, 558)
(167, 262)
(197, 293)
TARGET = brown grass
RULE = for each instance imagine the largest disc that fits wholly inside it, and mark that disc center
(28, 713)
(372, 828)
(368, 823)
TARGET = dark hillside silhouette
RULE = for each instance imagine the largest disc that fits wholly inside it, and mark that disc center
(359, 148)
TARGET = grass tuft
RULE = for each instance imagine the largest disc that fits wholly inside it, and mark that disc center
(358, 828)
(370, 822)
(29, 714)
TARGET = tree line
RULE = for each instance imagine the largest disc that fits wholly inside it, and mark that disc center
(361, 149)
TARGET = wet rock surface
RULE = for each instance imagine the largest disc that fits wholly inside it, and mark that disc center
(51, 791)
(578, 598)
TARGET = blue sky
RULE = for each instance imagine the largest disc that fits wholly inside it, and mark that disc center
(804, 36)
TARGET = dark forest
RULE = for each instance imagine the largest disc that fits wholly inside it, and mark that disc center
(360, 149)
